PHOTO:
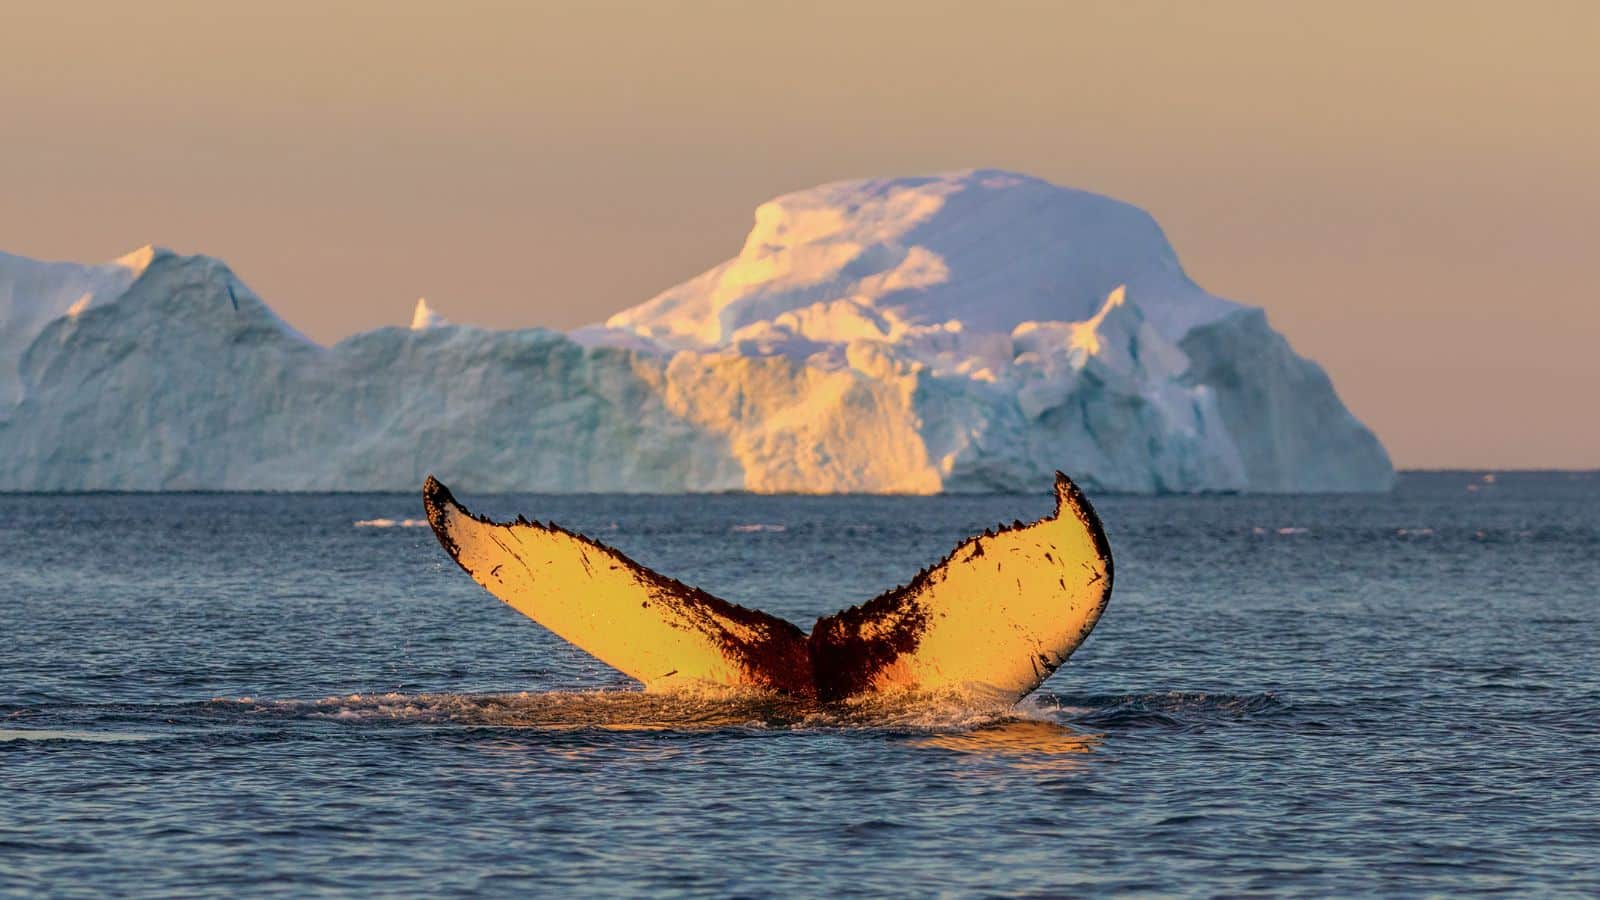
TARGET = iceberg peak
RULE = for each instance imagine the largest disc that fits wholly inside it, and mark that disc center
(423, 317)
(34, 293)
(139, 260)
(984, 248)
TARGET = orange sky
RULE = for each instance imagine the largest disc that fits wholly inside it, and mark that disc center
(1412, 190)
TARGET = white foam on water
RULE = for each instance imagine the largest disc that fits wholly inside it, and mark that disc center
(637, 710)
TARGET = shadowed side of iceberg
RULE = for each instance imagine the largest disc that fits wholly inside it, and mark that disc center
(189, 382)
(1292, 431)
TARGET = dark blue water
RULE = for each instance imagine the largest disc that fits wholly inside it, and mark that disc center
(225, 694)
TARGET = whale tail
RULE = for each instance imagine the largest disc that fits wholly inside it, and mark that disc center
(993, 619)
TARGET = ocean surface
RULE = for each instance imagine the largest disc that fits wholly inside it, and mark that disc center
(271, 694)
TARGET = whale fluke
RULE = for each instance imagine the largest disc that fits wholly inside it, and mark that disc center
(650, 627)
(992, 620)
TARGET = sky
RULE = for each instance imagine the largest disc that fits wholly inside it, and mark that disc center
(1411, 190)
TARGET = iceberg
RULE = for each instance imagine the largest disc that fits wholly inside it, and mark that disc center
(973, 331)
(33, 294)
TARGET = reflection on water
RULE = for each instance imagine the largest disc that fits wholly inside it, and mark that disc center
(1022, 743)
(1031, 737)
(1019, 737)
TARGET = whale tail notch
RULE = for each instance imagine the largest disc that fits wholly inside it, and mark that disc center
(992, 620)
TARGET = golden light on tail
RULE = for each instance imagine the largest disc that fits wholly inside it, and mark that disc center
(992, 620)
(664, 633)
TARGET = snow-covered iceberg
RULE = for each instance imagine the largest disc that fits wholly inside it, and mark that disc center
(971, 331)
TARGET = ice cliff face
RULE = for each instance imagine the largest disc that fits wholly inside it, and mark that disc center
(973, 331)
(34, 294)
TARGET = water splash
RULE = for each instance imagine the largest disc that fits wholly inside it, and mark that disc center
(629, 711)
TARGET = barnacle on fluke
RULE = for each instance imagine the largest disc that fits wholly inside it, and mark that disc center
(992, 619)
